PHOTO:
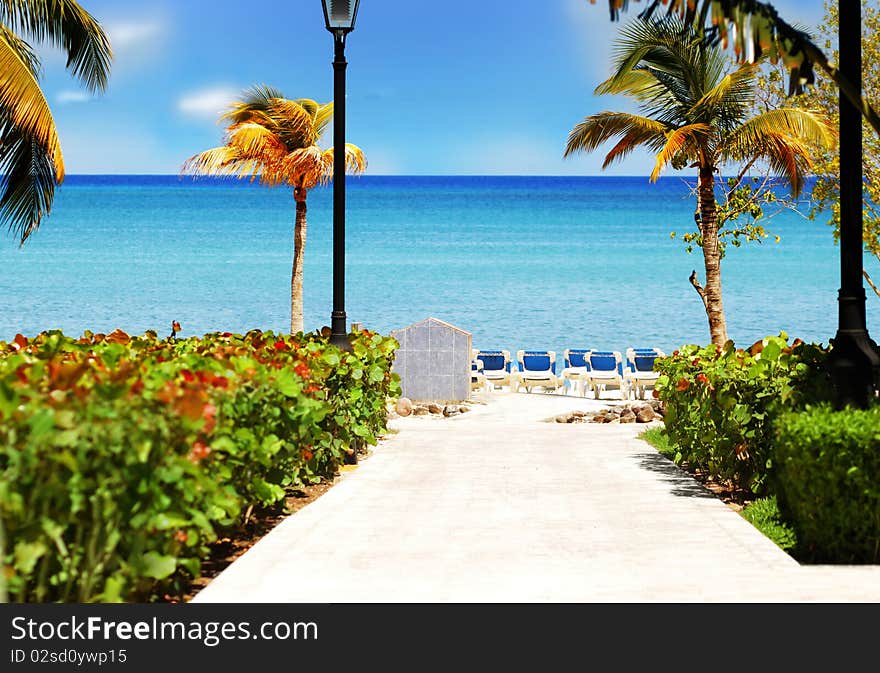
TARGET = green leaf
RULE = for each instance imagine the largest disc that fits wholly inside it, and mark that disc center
(157, 566)
(27, 554)
(143, 450)
(54, 530)
(66, 459)
(113, 587)
(65, 419)
(288, 384)
(67, 439)
(191, 565)
(771, 351)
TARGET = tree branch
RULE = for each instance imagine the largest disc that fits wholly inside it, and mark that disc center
(699, 288)
(870, 282)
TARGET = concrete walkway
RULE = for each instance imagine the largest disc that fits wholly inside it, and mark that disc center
(497, 506)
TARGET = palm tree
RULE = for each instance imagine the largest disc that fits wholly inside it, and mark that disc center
(697, 116)
(31, 164)
(274, 139)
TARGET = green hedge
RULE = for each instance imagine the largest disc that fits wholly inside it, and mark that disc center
(123, 459)
(720, 403)
(828, 481)
(764, 515)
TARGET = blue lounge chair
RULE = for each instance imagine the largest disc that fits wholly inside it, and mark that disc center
(640, 374)
(537, 369)
(605, 371)
(575, 362)
(496, 367)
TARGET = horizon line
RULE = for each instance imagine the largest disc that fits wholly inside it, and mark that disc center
(382, 175)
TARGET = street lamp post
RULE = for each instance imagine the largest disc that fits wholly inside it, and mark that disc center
(853, 363)
(339, 16)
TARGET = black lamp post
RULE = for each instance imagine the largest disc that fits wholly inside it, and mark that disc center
(853, 362)
(339, 16)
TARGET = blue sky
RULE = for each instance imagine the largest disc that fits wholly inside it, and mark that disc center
(456, 87)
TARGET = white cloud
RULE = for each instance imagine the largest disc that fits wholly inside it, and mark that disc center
(207, 103)
(126, 34)
(70, 96)
(515, 154)
(115, 147)
(381, 161)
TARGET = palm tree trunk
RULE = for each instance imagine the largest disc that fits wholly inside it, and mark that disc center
(711, 257)
(296, 275)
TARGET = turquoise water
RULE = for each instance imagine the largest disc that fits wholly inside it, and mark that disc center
(550, 262)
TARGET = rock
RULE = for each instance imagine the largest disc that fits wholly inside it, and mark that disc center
(578, 414)
(628, 417)
(450, 411)
(435, 408)
(404, 406)
(463, 409)
(645, 415)
(562, 419)
(601, 418)
(421, 411)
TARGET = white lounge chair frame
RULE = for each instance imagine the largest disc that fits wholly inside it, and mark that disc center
(640, 382)
(529, 379)
(495, 378)
(569, 375)
(601, 380)
(478, 381)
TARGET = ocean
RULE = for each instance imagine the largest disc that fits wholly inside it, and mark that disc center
(520, 262)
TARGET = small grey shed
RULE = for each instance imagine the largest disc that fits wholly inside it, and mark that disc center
(433, 361)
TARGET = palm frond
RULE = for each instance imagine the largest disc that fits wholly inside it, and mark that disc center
(323, 118)
(24, 51)
(804, 125)
(64, 24)
(731, 99)
(786, 154)
(27, 183)
(786, 158)
(253, 116)
(308, 105)
(254, 141)
(670, 48)
(220, 161)
(685, 139)
(355, 161)
(306, 167)
(256, 99)
(274, 138)
(294, 123)
(22, 102)
(633, 83)
(603, 126)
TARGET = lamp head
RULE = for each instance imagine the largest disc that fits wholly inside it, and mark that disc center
(339, 15)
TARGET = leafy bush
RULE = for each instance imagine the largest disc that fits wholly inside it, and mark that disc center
(828, 481)
(720, 403)
(764, 515)
(123, 457)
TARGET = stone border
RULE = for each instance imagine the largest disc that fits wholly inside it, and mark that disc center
(631, 412)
